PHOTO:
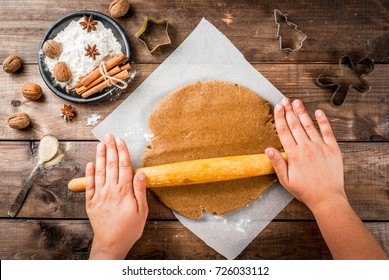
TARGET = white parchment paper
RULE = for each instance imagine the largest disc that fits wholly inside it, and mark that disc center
(205, 55)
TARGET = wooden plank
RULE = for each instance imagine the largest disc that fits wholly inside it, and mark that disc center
(333, 27)
(55, 239)
(366, 169)
(363, 117)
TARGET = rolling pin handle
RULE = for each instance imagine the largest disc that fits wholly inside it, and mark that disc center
(77, 184)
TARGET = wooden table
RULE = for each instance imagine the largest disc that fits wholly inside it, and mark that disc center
(53, 223)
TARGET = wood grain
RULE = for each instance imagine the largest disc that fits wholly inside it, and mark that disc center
(366, 169)
(364, 117)
(56, 239)
(251, 28)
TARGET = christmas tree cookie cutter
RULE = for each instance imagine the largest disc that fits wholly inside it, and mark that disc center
(300, 36)
(148, 37)
(360, 69)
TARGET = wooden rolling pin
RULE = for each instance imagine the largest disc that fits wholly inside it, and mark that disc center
(198, 171)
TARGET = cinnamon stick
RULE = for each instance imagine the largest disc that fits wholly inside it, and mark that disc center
(74, 86)
(109, 64)
(111, 72)
(121, 76)
(126, 67)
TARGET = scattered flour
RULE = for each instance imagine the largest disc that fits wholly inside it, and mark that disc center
(73, 40)
(93, 119)
(242, 225)
(148, 137)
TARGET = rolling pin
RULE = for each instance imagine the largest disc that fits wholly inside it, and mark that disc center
(198, 171)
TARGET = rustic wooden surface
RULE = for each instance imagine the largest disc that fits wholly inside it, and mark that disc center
(53, 224)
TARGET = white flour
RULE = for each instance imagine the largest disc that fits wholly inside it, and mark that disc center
(73, 40)
(148, 137)
(242, 225)
(93, 119)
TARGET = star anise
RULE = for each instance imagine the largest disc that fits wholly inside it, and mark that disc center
(68, 112)
(92, 51)
(88, 24)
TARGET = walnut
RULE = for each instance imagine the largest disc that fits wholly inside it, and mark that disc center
(12, 63)
(52, 49)
(119, 8)
(19, 120)
(62, 72)
(32, 91)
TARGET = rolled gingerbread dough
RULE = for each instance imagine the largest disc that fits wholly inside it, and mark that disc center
(206, 120)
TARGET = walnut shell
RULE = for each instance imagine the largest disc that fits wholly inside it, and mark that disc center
(52, 49)
(12, 63)
(32, 91)
(62, 72)
(119, 8)
(19, 120)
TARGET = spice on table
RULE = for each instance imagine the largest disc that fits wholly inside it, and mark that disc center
(92, 51)
(88, 24)
(68, 112)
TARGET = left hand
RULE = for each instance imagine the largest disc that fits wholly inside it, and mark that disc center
(115, 200)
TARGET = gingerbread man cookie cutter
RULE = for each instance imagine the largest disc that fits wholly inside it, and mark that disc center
(342, 89)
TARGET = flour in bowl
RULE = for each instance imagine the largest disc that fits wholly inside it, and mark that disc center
(74, 41)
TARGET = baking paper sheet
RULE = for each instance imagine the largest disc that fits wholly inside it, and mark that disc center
(205, 55)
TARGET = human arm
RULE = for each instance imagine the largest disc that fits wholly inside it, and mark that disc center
(313, 173)
(115, 201)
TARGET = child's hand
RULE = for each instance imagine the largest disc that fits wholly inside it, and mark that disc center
(313, 172)
(115, 201)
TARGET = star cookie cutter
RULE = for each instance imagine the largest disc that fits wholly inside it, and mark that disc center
(342, 89)
(300, 34)
(148, 39)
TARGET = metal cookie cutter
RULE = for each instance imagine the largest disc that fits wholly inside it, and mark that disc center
(343, 88)
(148, 39)
(301, 36)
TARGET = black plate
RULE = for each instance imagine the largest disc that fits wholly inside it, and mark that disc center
(61, 24)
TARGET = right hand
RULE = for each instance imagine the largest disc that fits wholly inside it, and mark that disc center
(313, 172)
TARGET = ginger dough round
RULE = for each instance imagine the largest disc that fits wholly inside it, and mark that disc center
(207, 120)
